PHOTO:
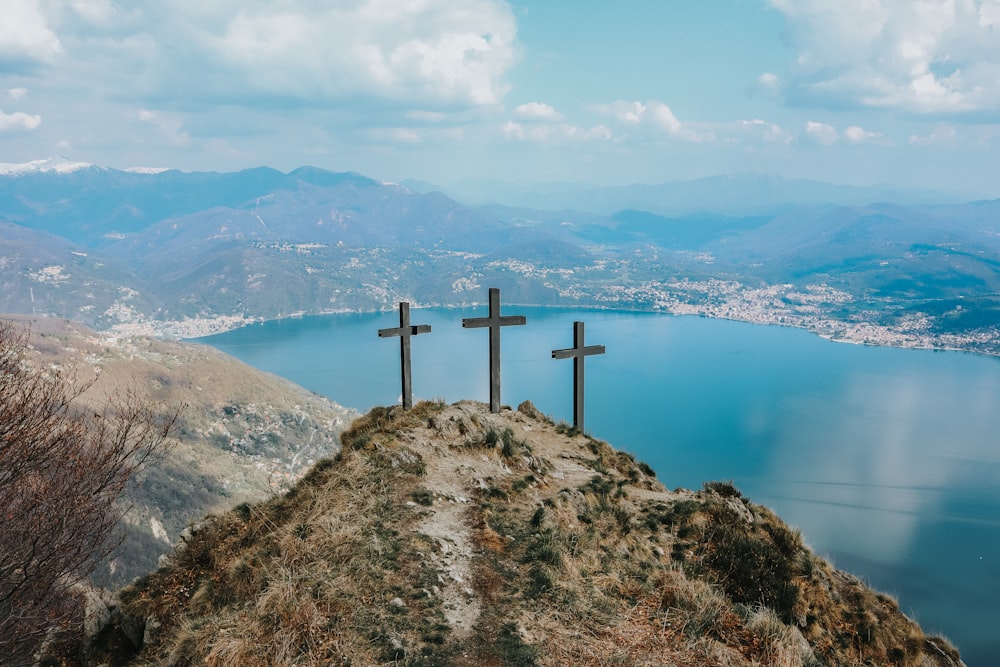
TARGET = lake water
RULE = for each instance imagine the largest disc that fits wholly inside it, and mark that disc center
(886, 459)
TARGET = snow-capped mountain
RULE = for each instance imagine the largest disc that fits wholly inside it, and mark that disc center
(56, 165)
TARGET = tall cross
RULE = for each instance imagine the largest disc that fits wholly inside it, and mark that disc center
(404, 331)
(578, 352)
(494, 322)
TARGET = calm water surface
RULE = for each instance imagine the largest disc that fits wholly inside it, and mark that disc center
(886, 459)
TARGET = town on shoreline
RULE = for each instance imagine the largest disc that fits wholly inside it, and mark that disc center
(811, 308)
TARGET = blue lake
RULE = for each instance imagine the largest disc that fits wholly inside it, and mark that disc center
(886, 459)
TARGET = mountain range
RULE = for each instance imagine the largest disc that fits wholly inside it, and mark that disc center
(179, 253)
(733, 194)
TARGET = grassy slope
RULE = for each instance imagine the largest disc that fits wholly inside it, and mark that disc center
(450, 536)
(243, 435)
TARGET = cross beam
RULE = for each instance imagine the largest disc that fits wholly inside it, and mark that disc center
(494, 322)
(577, 353)
(404, 331)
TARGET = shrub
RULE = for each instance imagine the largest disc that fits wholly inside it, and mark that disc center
(724, 489)
(423, 497)
(62, 472)
(512, 649)
(752, 571)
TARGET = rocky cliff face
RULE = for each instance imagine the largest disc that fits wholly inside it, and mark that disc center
(447, 535)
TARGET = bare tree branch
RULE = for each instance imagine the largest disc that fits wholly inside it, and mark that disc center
(62, 472)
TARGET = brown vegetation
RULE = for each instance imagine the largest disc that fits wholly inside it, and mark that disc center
(446, 535)
(62, 472)
(244, 436)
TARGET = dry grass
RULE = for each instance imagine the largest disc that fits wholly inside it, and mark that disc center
(578, 556)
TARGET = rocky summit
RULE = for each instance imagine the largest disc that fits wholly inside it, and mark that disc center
(448, 535)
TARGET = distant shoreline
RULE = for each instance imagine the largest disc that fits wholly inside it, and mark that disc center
(854, 333)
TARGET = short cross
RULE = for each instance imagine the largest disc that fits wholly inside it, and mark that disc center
(404, 331)
(578, 352)
(494, 322)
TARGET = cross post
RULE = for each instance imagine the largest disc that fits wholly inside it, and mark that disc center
(494, 322)
(404, 331)
(577, 353)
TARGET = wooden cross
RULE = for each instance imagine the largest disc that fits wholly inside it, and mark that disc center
(494, 322)
(578, 352)
(404, 331)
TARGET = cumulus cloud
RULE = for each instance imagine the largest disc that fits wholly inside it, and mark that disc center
(537, 111)
(17, 93)
(435, 53)
(169, 125)
(664, 117)
(821, 132)
(431, 55)
(18, 122)
(96, 12)
(553, 132)
(926, 56)
(541, 123)
(655, 119)
(25, 36)
(942, 134)
(859, 135)
(759, 130)
(627, 112)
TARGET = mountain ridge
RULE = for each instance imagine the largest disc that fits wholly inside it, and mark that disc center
(448, 535)
(730, 194)
(191, 254)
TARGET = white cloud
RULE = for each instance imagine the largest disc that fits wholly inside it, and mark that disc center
(170, 126)
(942, 134)
(25, 35)
(537, 111)
(654, 117)
(923, 56)
(663, 116)
(761, 130)
(768, 80)
(18, 122)
(429, 55)
(436, 52)
(859, 135)
(512, 130)
(821, 132)
(17, 94)
(628, 112)
(398, 135)
(989, 15)
(96, 12)
(553, 132)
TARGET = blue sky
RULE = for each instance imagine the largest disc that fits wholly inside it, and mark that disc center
(904, 92)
